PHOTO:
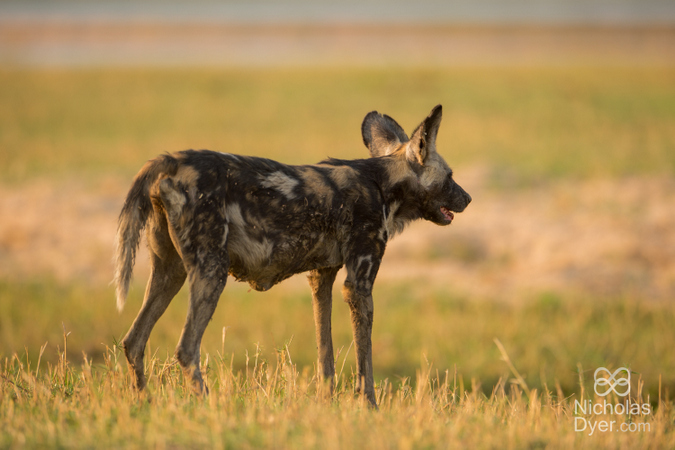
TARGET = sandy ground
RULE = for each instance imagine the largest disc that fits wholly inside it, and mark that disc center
(600, 237)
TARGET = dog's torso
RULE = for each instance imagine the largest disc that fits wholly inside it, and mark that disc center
(279, 220)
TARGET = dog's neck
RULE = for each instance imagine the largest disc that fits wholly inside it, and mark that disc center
(401, 192)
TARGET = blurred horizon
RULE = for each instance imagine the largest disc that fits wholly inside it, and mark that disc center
(453, 12)
(303, 33)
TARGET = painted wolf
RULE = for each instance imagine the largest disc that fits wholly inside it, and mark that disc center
(208, 214)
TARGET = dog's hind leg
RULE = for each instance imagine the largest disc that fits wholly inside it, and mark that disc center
(207, 262)
(206, 285)
(199, 230)
(166, 278)
(321, 282)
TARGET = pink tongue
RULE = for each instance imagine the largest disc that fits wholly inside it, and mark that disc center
(447, 213)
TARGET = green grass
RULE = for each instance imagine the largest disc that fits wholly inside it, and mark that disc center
(527, 124)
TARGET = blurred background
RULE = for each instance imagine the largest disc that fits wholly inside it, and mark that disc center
(559, 120)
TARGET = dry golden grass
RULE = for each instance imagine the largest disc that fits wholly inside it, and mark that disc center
(547, 335)
(273, 404)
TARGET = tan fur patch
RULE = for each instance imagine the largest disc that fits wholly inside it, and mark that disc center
(281, 182)
(398, 168)
(343, 176)
(187, 175)
(315, 184)
(172, 199)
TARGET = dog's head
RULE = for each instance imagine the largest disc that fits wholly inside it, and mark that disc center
(437, 194)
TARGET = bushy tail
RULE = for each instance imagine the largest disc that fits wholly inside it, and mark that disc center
(135, 212)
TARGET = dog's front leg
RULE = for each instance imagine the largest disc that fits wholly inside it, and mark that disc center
(321, 282)
(360, 303)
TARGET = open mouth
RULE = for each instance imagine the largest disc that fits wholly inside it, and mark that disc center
(447, 214)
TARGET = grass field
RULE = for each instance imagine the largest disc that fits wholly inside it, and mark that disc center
(565, 258)
(533, 123)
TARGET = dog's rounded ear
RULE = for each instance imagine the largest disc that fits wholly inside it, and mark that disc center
(381, 134)
(423, 140)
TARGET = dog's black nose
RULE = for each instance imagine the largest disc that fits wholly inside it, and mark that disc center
(467, 198)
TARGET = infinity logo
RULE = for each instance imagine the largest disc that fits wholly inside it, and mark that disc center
(612, 382)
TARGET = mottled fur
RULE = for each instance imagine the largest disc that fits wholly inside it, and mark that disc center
(208, 215)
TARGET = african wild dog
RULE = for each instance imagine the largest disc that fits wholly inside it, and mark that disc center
(207, 214)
